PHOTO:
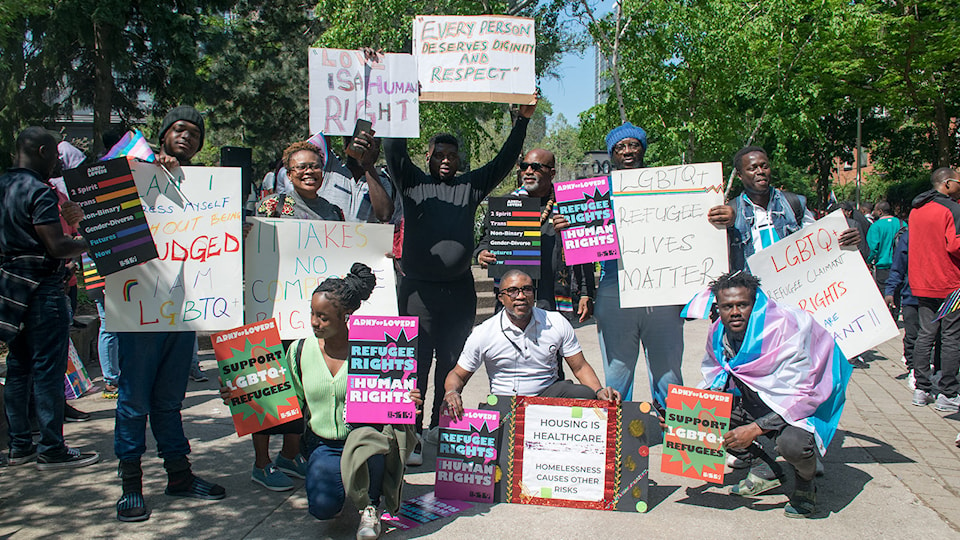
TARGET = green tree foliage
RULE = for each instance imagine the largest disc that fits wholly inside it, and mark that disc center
(708, 77)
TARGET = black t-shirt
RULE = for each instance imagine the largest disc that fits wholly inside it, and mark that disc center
(25, 201)
(439, 216)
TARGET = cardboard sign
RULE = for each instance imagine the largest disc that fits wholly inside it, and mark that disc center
(252, 365)
(344, 86)
(382, 370)
(479, 58)
(592, 235)
(557, 441)
(423, 509)
(467, 456)
(287, 258)
(514, 227)
(809, 270)
(114, 224)
(696, 422)
(196, 282)
(669, 251)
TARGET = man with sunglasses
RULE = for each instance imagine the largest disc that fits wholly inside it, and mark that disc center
(933, 266)
(438, 212)
(560, 287)
(520, 348)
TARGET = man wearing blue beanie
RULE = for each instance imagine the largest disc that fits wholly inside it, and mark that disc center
(622, 330)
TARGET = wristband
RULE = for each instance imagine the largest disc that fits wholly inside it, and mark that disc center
(451, 392)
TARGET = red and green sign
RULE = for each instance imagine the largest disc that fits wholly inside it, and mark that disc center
(696, 422)
(253, 367)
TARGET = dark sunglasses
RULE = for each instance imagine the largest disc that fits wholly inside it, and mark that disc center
(533, 165)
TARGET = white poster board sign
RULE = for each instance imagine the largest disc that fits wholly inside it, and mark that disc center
(668, 250)
(564, 454)
(287, 258)
(344, 86)
(196, 283)
(809, 270)
(477, 58)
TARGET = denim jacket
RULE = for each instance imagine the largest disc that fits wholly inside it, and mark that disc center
(740, 236)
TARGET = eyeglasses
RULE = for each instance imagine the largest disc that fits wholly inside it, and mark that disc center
(632, 145)
(514, 292)
(533, 165)
(300, 167)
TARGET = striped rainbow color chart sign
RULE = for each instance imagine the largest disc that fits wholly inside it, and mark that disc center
(514, 229)
(114, 224)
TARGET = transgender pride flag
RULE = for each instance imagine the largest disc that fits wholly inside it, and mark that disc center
(321, 143)
(699, 306)
(133, 144)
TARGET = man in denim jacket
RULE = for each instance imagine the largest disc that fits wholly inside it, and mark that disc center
(762, 214)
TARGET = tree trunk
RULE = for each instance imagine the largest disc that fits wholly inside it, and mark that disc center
(103, 83)
(941, 130)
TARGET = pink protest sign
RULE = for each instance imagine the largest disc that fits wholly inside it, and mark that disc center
(592, 235)
(467, 456)
(382, 370)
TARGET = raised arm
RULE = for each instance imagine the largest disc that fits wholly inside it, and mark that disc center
(490, 175)
(399, 164)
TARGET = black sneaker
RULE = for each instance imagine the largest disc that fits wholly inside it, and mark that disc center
(71, 459)
(72, 414)
(19, 457)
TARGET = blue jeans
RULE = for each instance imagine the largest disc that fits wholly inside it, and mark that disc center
(153, 380)
(38, 361)
(622, 330)
(108, 349)
(325, 493)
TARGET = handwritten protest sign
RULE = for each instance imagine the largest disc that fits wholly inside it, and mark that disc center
(514, 227)
(344, 86)
(669, 251)
(113, 225)
(383, 370)
(696, 421)
(467, 456)
(592, 235)
(287, 258)
(809, 270)
(253, 367)
(480, 58)
(196, 283)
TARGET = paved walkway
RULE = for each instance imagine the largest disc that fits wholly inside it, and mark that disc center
(892, 471)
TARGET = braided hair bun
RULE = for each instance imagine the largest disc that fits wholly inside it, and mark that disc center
(351, 290)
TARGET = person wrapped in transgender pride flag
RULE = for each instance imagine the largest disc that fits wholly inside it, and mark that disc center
(789, 379)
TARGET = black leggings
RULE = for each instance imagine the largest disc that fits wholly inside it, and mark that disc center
(446, 311)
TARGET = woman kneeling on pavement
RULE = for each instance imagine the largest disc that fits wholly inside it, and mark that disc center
(364, 463)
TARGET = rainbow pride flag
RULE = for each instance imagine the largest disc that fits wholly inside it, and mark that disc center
(950, 304)
(133, 144)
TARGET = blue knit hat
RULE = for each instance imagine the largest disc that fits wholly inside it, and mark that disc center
(627, 130)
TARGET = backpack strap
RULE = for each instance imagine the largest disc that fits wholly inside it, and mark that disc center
(795, 204)
(296, 361)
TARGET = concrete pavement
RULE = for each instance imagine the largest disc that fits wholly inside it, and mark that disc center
(892, 471)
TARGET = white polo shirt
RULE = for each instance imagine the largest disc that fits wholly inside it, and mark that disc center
(520, 362)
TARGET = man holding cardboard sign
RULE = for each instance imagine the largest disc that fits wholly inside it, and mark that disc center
(791, 378)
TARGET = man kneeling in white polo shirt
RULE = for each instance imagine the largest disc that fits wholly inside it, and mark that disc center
(520, 348)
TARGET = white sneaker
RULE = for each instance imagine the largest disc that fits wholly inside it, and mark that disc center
(369, 528)
(415, 459)
(432, 436)
(912, 380)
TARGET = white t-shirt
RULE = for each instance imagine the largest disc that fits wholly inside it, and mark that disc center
(520, 362)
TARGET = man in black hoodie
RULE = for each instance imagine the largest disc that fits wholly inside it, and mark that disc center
(438, 211)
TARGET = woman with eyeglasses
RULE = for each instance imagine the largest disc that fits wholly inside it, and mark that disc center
(304, 164)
